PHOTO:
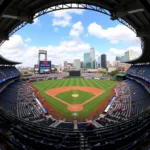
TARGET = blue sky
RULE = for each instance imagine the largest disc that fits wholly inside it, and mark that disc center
(67, 34)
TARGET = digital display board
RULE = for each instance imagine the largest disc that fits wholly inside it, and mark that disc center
(45, 67)
(74, 73)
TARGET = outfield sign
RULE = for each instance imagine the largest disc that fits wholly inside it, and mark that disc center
(45, 67)
(97, 78)
(88, 77)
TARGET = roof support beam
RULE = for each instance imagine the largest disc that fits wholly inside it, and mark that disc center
(143, 32)
(18, 14)
(126, 9)
(4, 5)
(4, 36)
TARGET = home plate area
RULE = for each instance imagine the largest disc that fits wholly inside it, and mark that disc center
(75, 107)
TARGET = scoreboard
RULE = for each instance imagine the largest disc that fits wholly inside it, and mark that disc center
(74, 73)
(45, 67)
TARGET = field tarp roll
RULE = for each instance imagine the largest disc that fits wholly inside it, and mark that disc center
(41, 106)
(111, 102)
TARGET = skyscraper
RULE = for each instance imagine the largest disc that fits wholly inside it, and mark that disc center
(118, 58)
(82, 64)
(77, 64)
(130, 55)
(87, 60)
(122, 58)
(103, 61)
(99, 61)
(92, 58)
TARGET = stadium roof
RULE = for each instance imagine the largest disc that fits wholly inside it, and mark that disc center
(135, 14)
(4, 61)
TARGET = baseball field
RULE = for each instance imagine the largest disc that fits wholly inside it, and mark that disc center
(76, 97)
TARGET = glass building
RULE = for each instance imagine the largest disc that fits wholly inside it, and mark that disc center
(92, 58)
(103, 61)
(87, 60)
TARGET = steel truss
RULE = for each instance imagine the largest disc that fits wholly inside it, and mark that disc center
(71, 6)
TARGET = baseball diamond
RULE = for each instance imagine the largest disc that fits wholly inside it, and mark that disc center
(69, 96)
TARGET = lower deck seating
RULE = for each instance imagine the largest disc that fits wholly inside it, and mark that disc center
(66, 125)
(29, 136)
(18, 99)
(131, 100)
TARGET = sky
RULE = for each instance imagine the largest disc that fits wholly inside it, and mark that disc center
(67, 35)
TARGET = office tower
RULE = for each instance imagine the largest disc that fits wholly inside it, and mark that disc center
(122, 58)
(130, 55)
(96, 64)
(82, 64)
(103, 61)
(92, 58)
(118, 58)
(64, 63)
(77, 64)
(99, 61)
(87, 60)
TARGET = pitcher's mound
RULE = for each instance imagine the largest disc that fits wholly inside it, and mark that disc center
(75, 107)
(75, 95)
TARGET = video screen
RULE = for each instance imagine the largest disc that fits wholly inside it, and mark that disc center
(45, 67)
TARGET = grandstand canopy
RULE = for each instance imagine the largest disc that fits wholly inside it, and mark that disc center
(135, 14)
(4, 61)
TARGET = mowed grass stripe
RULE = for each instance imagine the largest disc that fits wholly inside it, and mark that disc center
(88, 82)
(66, 81)
(62, 108)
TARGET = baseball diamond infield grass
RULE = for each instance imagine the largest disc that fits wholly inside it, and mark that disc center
(82, 96)
(66, 96)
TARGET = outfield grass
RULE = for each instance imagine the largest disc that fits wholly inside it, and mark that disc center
(67, 96)
(42, 86)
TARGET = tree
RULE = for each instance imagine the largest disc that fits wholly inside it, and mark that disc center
(55, 69)
(113, 73)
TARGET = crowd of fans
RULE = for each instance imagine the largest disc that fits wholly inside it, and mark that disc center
(131, 100)
(92, 75)
(139, 70)
(7, 72)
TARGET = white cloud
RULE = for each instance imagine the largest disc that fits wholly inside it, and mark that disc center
(27, 40)
(16, 49)
(63, 17)
(36, 21)
(77, 29)
(113, 52)
(117, 34)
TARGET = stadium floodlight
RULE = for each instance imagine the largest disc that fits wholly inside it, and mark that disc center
(9, 16)
(135, 11)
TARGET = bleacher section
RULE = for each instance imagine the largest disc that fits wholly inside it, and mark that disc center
(131, 100)
(8, 72)
(142, 71)
(92, 75)
(28, 136)
(18, 99)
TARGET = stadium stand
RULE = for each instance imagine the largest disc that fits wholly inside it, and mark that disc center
(8, 72)
(25, 126)
(142, 71)
(92, 75)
